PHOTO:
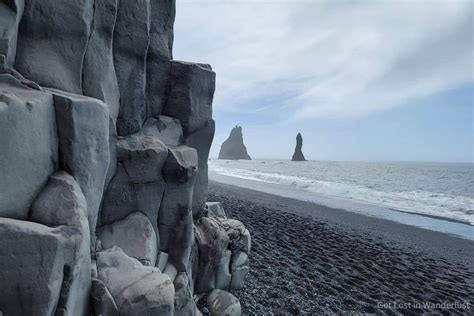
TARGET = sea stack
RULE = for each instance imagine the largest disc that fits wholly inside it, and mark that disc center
(233, 148)
(298, 155)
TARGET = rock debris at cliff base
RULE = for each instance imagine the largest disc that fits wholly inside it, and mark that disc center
(104, 145)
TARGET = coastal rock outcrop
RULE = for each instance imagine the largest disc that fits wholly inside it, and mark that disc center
(298, 154)
(233, 147)
(104, 142)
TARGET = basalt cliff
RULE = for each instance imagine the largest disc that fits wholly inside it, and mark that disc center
(104, 141)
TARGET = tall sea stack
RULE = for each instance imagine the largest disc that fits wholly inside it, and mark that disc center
(233, 147)
(298, 155)
(104, 142)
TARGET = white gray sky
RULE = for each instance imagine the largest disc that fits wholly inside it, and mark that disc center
(283, 65)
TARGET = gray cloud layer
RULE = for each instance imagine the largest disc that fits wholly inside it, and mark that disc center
(324, 59)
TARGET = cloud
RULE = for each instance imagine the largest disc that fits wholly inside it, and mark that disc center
(327, 59)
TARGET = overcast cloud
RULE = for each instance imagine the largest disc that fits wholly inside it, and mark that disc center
(327, 59)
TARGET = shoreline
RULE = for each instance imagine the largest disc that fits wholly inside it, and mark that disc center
(449, 226)
(442, 244)
(311, 259)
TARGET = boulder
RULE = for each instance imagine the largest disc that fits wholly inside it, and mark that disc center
(83, 132)
(102, 301)
(202, 141)
(135, 288)
(142, 157)
(233, 147)
(138, 184)
(28, 140)
(166, 129)
(215, 209)
(38, 266)
(221, 243)
(190, 92)
(212, 242)
(120, 199)
(61, 202)
(223, 303)
(175, 221)
(159, 54)
(134, 235)
(10, 16)
(239, 270)
(123, 198)
(52, 40)
(298, 154)
(130, 46)
(99, 78)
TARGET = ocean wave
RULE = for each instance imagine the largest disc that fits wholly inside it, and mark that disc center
(415, 201)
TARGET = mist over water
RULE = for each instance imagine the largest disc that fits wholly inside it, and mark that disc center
(436, 189)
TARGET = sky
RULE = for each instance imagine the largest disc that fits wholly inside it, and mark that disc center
(361, 80)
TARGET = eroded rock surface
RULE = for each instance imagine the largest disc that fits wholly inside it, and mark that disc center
(10, 15)
(104, 145)
(134, 235)
(28, 141)
(52, 40)
(136, 289)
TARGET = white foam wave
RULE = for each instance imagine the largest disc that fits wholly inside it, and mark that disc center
(423, 202)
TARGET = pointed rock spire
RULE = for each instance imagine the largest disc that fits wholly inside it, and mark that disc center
(298, 155)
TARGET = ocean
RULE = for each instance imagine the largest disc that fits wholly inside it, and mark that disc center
(437, 190)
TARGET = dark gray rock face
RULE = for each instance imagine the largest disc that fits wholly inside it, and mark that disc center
(175, 219)
(32, 261)
(159, 56)
(10, 15)
(28, 141)
(50, 57)
(62, 203)
(298, 155)
(190, 92)
(201, 140)
(233, 148)
(99, 79)
(131, 40)
(83, 131)
(104, 142)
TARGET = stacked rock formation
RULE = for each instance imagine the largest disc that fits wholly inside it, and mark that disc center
(233, 147)
(104, 141)
(298, 154)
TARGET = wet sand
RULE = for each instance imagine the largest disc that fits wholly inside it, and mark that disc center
(311, 259)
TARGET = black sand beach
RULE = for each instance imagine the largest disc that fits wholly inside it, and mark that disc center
(311, 259)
